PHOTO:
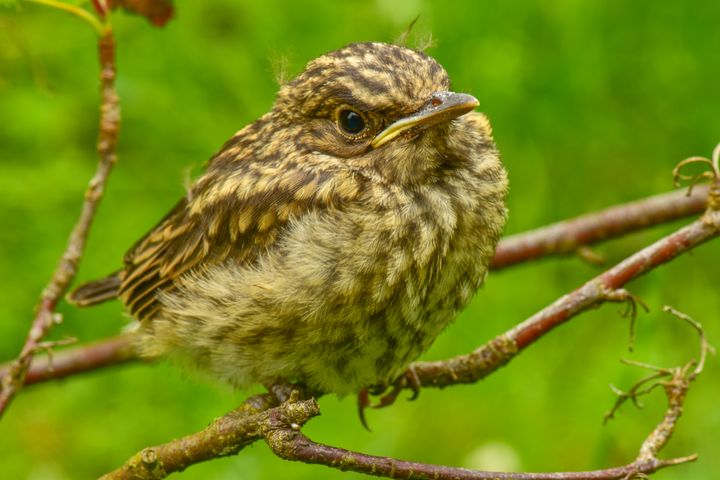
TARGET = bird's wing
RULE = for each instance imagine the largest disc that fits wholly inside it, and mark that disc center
(232, 215)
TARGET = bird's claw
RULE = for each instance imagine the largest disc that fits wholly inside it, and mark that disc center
(363, 401)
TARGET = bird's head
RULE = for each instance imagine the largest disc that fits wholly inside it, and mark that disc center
(377, 108)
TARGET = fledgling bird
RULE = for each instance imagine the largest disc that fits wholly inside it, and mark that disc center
(330, 241)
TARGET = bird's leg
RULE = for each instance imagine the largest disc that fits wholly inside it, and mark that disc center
(408, 379)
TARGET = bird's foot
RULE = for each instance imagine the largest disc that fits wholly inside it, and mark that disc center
(408, 379)
(281, 390)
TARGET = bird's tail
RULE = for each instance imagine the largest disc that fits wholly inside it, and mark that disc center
(96, 291)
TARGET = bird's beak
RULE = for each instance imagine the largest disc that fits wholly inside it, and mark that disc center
(440, 107)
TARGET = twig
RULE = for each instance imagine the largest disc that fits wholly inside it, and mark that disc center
(676, 388)
(566, 237)
(705, 346)
(632, 394)
(679, 375)
(45, 316)
(71, 361)
(79, 12)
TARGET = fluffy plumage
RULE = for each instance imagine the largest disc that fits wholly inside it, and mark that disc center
(309, 253)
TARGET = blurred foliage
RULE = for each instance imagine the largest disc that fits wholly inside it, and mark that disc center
(593, 102)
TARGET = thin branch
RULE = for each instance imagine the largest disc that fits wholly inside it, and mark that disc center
(45, 317)
(287, 442)
(568, 236)
(676, 387)
(680, 376)
(79, 12)
(705, 347)
(71, 361)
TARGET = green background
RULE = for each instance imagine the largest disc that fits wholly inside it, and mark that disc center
(593, 103)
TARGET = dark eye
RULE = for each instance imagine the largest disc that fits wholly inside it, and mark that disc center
(351, 121)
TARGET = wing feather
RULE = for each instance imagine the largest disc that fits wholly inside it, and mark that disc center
(208, 228)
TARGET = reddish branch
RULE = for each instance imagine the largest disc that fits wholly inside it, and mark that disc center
(74, 360)
(71, 361)
(45, 317)
(287, 442)
(568, 236)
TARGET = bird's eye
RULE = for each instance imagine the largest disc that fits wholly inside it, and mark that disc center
(351, 121)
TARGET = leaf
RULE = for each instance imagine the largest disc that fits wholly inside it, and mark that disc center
(158, 12)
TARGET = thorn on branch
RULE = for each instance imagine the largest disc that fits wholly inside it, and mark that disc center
(590, 256)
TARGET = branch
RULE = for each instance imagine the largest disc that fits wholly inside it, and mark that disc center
(71, 361)
(287, 442)
(45, 317)
(568, 236)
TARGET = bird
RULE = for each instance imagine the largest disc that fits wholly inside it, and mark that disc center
(329, 242)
